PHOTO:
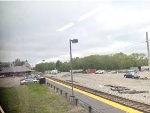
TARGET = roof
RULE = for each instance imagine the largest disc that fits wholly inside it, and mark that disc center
(15, 69)
(27, 64)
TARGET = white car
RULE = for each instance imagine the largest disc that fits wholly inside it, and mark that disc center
(2, 76)
(100, 72)
(29, 80)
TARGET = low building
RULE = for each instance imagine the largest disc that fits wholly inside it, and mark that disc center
(15, 71)
(77, 71)
(140, 68)
(136, 68)
(91, 70)
(145, 68)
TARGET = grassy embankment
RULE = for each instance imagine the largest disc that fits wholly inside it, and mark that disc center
(33, 98)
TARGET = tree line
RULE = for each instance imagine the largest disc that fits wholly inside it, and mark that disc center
(16, 62)
(105, 62)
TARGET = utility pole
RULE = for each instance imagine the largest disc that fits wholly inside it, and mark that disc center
(44, 65)
(72, 41)
(147, 41)
(72, 95)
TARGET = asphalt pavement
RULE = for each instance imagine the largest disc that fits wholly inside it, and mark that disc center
(98, 105)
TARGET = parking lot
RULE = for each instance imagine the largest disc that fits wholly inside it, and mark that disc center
(101, 82)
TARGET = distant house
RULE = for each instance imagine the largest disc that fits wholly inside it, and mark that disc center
(91, 70)
(135, 68)
(145, 68)
(140, 68)
(16, 70)
(77, 71)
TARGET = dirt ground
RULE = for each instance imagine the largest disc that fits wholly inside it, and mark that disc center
(10, 81)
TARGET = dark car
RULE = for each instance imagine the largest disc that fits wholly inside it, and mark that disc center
(131, 75)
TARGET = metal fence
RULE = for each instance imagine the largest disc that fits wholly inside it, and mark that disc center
(74, 100)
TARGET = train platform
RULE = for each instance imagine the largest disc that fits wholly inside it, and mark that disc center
(101, 105)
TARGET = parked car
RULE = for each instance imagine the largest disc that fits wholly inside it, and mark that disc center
(29, 80)
(113, 72)
(54, 71)
(99, 72)
(131, 75)
(2, 76)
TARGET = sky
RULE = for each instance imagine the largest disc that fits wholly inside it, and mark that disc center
(36, 30)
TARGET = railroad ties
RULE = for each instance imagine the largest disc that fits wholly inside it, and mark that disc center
(123, 101)
(125, 90)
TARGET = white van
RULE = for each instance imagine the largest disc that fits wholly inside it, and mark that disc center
(54, 71)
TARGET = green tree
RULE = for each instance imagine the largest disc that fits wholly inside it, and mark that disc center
(58, 65)
(18, 62)
(106, 62)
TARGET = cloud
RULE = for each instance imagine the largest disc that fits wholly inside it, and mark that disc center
(89, 14)
(31, 30)
(65, 27)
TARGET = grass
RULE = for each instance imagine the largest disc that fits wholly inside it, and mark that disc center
(32, 98)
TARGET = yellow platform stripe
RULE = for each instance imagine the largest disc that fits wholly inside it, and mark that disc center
(111, 103)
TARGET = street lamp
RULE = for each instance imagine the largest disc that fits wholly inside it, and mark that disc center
(72, 41)
(44, 65)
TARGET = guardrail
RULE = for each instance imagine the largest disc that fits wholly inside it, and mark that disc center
(145, 108)
(76, 101)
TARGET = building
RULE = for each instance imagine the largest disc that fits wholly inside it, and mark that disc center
(136, 68)
(91, 70)
(16, 70)
(77, 71)
(26, 64)
(145, 68)
(140, 68)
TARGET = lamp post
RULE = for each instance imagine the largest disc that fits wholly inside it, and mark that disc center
(44, 65)
(72, 41)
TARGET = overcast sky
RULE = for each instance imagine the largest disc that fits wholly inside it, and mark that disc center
(35, 31)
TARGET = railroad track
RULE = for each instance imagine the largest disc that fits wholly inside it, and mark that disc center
(145, 108)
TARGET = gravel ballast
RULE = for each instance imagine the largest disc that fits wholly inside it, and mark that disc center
(100, 82)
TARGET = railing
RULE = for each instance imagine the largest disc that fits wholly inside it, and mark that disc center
(2, 111)
(130, 103)
(74, 100)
